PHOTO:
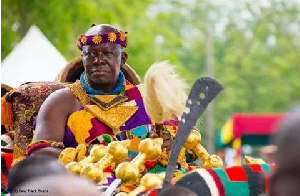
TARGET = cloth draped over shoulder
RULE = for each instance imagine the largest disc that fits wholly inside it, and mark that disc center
(107, 117)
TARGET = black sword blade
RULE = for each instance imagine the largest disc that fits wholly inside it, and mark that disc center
(202, 93)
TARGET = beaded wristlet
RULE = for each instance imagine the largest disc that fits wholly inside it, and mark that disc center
(43, 144)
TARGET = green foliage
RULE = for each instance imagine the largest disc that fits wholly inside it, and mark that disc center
(256, 55)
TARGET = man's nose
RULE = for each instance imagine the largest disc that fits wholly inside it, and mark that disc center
(100, 58)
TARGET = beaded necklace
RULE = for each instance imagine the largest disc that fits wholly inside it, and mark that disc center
(119, 89)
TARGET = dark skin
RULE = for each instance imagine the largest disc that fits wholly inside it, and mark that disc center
(286, 179)
(102, 64)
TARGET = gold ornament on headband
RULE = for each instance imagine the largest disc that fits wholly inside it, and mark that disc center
(118, 37)
(112, 37)
(122, 36)
(83, 39)
(97, 39)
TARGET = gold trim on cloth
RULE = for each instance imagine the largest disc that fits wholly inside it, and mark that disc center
(79, 93)
(114, 117)
(106, 102)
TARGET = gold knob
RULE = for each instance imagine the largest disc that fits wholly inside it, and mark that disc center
(115, 152)
(127, 172)
(148, 181)
(149, 149)
(193, 140)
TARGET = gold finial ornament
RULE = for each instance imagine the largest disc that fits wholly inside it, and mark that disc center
(213, 161)
(67, 155)
(127, 172)
(116, 152)
(81, 151)
(149, 149)
(193, 144)
(148, 181)
(182, 159)
(251, 160)
(164, 158)
(96, 153)
(74, 167)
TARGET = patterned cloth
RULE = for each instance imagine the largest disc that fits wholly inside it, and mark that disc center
(231, 181)
(26, 101)
(83, 126)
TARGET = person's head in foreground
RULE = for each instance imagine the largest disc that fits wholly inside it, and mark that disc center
(66, 185)
(103, 56)
(286, 179)
(33, 167)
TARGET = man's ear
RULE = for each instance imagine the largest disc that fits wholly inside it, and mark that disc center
(123, 58)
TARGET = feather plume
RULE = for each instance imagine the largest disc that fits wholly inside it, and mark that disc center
(164, 92)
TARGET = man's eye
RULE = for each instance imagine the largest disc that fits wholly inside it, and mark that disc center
(108, 53)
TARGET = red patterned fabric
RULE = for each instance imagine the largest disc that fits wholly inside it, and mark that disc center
(255, 167)
(236, 173)
(6, 166)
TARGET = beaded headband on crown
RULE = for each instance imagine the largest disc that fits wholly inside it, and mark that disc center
(112, 37)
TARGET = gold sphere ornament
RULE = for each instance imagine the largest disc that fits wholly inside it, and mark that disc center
(74, 167)
(118, 150)
(92, 172)
(251, 160)
(193, 140)
(148, 181)
(97, 152)
(127, 172)
(213, 161)
(151, 180)
(216, 161)
(151, 148)
(193, 144)
(81, 151)
(67, 155)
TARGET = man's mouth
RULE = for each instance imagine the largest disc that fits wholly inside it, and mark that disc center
(100, 72)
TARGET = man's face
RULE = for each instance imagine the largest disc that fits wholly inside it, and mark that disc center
(102, 63)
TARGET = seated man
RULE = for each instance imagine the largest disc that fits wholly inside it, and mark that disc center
(103, 102)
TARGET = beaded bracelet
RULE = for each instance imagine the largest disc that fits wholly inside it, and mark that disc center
(43, 144)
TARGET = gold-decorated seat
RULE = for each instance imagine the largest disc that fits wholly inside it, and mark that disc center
(26, 100)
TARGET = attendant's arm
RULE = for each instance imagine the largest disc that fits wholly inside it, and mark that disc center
(52, 119)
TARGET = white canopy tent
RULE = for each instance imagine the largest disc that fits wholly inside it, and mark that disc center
(34, 59)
